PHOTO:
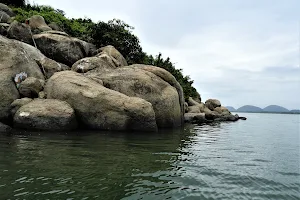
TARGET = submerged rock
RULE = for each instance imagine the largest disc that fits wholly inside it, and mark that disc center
(98, 107)
(46, 114)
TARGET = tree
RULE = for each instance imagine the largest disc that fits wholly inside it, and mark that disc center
(119, 34)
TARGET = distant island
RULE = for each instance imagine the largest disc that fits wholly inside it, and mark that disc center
(268, 109)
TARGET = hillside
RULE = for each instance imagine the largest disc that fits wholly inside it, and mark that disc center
(231, 109)
(275, 108)
(249, 108)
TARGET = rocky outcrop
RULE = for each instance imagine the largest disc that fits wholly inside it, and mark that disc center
(64, 49)
(98, 107)
(31, 87)
(21, 32)
(37, 24)
(14, 59)
(46, 114)
(136, 82)
(198, 118)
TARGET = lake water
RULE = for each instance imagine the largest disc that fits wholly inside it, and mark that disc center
(254, 159)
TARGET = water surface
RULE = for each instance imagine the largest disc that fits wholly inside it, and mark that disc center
(254, 159)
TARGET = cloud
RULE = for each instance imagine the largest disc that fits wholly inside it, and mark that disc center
(241, 52)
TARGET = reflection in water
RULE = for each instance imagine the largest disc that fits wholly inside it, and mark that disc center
(244, 160)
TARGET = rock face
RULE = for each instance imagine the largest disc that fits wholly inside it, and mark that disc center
(98, 107)
(212, 104)
(30, 87)
(20, 32)
(46, 114)
(64, 49)
(3, 28)
(195, 118)
(136, 82)
(37, 24)
(14, 59)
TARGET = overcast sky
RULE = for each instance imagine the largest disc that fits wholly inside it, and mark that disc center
(238, 51)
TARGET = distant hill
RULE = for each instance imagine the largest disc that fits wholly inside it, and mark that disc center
(275, 109)
(249, 108)
(295, 111)
(268, 109)
(231, 109)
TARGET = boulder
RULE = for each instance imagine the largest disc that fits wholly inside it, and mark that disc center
(18, 103)
(37, 24)
(49, 66)
(195, 118)
(3, 28)
(136, 82)
(20, 32)
(14, 59)
(113, 52)
(166, 76)
(194, 109)
(98, 107)
(222, 110)
(64, 49)
(4, 17)
(192, 102)
(54, 26)
(46, 114)
(212, 104)
(31, 87)
(5, 128)
(6, 9)
(98, 64)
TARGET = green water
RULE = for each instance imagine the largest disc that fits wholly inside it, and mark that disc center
(254, 159)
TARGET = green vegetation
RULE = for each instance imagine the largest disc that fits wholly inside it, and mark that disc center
(114, 32)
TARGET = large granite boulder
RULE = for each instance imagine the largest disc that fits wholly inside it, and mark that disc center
(20, 31)
(212, 104)
(167, 77)
(46, 114)
(37, 24)
(114, 53)
(64, 49)
(6, 9)
(14, 59)
(136, 82)
(98, 107)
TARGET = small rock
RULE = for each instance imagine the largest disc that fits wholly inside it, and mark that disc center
(31, 87)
